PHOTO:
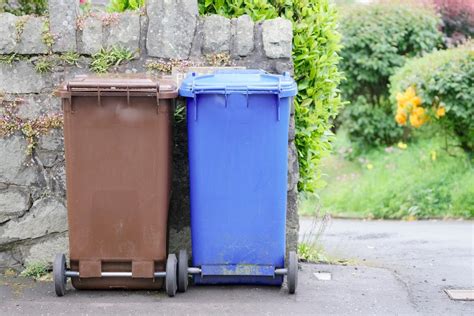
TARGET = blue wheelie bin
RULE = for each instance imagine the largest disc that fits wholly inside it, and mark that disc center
(238, 159)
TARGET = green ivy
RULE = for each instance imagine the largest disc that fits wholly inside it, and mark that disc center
(315, 56)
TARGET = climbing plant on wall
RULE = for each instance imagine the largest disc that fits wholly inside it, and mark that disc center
(315, 56)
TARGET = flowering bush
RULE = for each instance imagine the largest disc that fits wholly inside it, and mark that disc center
(377, 40)
(438, 88)
(409, 105)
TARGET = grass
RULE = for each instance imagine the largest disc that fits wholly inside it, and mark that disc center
(44, 65)
(35, 270)
(107, 58)
(70, 58)
(419, 182)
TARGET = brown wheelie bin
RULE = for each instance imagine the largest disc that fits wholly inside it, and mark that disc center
(117, 134)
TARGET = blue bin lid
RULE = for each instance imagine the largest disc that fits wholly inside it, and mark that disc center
(238, 81)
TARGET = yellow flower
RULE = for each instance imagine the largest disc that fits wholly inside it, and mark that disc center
(370, 166)
(416, 101)
(416, 120)
(402, 145)
(418, 111)
(440, 112)
(401, 118)
(401, 98)
(418, 117)
(410, 93)
(433, 155)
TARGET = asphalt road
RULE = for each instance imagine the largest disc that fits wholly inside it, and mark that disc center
(395, 268)
(425, 257)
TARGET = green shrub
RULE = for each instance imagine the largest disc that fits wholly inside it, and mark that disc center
(123, 5)
(24, 7)
(377, 40)
(370, 126)
(444, 78)
(315, 55)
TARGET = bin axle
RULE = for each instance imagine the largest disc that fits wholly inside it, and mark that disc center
(75, 274)
(194, 271)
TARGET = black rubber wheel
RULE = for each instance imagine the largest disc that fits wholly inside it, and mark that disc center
(182, 271)
(292, 276)
(171, 275)
(59, 274)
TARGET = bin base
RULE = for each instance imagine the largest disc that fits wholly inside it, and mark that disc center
(238, 274)
(112, 283)
(243, 280)
(117, 284)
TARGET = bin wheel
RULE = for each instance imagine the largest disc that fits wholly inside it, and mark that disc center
(59, 274)
(292, 276)
(182, 271)
(171, 274)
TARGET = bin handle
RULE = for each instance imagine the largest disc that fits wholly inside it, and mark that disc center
(247, 94)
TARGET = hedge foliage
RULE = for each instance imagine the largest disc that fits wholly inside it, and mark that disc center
(377, 40)
(315, 54)
(23, 7)
(444, 78)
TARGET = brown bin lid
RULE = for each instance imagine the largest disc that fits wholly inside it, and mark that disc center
(120, 84)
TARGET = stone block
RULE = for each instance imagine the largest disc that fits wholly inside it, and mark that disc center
(58, 175)
(125, 32)
(171, 27)
(31, 37)
(35, 105)
(46, 250)
(243, 36)
(292, 221)
(277, 35)
(216, 32)
(13, 158)
(7, 33)
(92, 39)
(13, 78)
(293, 167)
(14, 202)
(62, 20)
(46, 216)
(50, 147)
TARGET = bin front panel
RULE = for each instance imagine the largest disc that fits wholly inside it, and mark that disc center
(118, 178)
(238, 171)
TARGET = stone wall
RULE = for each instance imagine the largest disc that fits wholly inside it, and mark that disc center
(33, 216)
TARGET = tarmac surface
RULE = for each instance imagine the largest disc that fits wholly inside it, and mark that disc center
(391, 268)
